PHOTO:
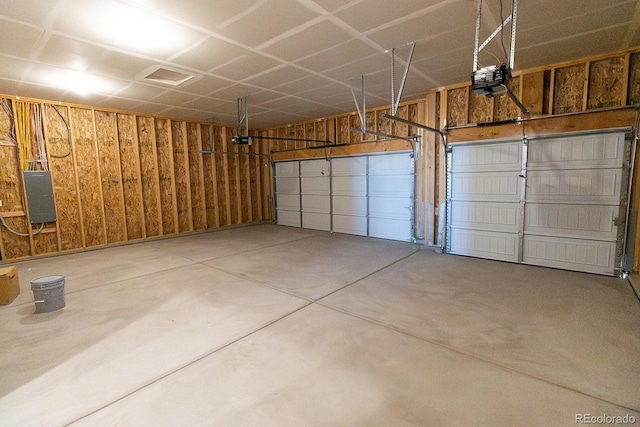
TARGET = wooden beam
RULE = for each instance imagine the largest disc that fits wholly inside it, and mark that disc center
(343, 150)
(547, 125)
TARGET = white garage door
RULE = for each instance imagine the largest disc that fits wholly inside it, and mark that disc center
(287, 193)
(368, 195)
(316, 194)
(554, 202)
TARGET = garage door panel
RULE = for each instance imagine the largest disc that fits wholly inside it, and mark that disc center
(577, 152)
(574, 221)
(391, 186)
(591, 256)
(287, 169)
(486, 186)
(350, 224)
(291, 218)
(317, 204)
(389, 164)
(382, 207)
(288, 185)
(315, 185)
(488, 216)
(345, 205)
(316, 221)
(394, 229)
(599, 186)
(289, 202)
(349, 185)
(485, 244)
(349, 166)
(488, 157)
(319, 167)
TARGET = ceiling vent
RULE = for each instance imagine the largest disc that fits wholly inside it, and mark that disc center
(168, 77)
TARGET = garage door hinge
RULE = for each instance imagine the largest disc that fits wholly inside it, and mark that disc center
(618, 221)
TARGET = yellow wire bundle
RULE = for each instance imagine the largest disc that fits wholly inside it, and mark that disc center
(24, 134)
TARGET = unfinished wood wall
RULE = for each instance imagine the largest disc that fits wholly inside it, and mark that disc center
(119, 177)
(585, 85)
(339, 129)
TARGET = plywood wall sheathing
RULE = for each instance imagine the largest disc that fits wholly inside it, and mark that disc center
(633, 91)
(131, 177)
(480, 108)
(13, 246)
(166, 177)
(256, 180)
(150, 176)
(343, 130)
(244, 180)
(196, 175)
(310, 133)
(568, 91)
(222, 181)
(607, 86)
(267, 181)
(233, 177)
(65, 189)
(402, 128)
(300, 135)
(355, 123)
(181, 175)
(210, 175)
(370, 119)
(88, 176)
(458, 107)
(110, 174)
(504, 108)
(384, 125)
(533, 88)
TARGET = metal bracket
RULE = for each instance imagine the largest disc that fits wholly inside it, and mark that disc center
(361, 112)
(395, 101)
(242, 128)
(511, 18)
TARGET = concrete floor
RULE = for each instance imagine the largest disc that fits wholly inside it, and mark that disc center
(275, 326)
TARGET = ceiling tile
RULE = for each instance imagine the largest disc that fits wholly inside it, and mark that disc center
(203, 85)
(266, 21)
(338, 56)
(303, 85)
(598, 42)
(120, 65)
(33, 11)
(440, 19)
(77, 55)
(244, 67)
(317, 37)
(18, 40)
(207, 14)
(366, 15)
(172, 97)
(209, 54)
(572, 26)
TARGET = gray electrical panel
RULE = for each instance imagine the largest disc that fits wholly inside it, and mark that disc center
(39, 188)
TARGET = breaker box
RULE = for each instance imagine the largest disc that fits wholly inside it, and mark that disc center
(39, 189)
